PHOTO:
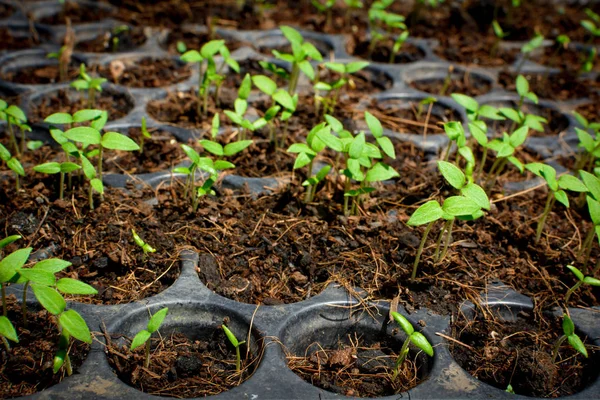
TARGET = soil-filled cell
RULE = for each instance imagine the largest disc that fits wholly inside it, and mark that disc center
(147, 72)
(442, 81)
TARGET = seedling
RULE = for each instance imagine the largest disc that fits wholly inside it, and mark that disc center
(302, 53)
(7, 330)
(524, 93)
(521, 119)
(143, 336)
(569, 335)
(116, 32)
(474, 110)
(468, 206)
(241, 106)
(417, 338)
(561, 43)
(13, 164)
(235, 343)
(533, 44)
(382, 24)
(556, 190)
(505, 149)
(91, 85)
(56, 168)
(14, 116)
(334, 88)
(456, 133)
(144, 134)
(590, 59)
(146, 248)
(326, 7)
(500, 35)
(590, 143)
(592, 25)
(205, 164)
(592, 198)
(219, 150)
(63, 62)
(581, 280)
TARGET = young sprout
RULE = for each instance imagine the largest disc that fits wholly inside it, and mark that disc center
(63, 62)
(13, 164)
(5, 265)
(382, 24)
(241, 106)
(334, 88)
(592, 25)
(500, 34)
(468, 206)
(92, 85)
(326, 7)
(354, 7)
(528, 48)
(474, 110)
(235, 343)
(556, 190)
(145, 134)
(181, 47)
(591, 144)
(505, 149)
(569, 335)
(55, 168)
(219, 150)
(593, 202)
(427, 101)
(523, 91)
(143, 336)
(581, 280)
(561, 43)
(417, 339)
(398, 43)
(14, 116)
(146, 248)
(521, 119)
(590, 59)
(114, 36)
(302, 53)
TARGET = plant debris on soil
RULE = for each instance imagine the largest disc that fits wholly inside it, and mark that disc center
(27, 368)
(148, 72)
(182, 367)
(459, 82)
(519, 353)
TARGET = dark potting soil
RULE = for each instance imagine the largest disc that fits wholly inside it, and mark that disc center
(382, 52)
(10, 41)
(194, 40)
(77, 13)
(519, 353)
(590, 110)
(117, 104)
(6, 11)
(569, 59)
(555, 86)
(98, 243)
(460, 82)
(27, 368)
(147, 72)
(471, 49)
(357, 367)
(40, 75)
(128, 40)
(181, 367)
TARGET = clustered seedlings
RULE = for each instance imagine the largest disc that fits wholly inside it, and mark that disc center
(88, 84)
(235, 343)
(143, 336)
(414, 337)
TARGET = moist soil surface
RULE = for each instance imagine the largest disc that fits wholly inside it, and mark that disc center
(357, 367)
(382, 52)
(194, 40)
(561, 86)
(77, 13)
(27, 368)
(181, 367)
(40, 75)
(569, 59)
(472, 49)
(128, 40)
(519, 353)
(147, 72)
(117, 104)
(460, 82)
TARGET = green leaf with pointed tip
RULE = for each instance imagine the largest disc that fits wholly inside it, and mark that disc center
(8, 240)
(477, 194)
(374, 125)
(380, 172)
(478, 133)
(12, 262)
(59, 118)
(489, 112)
(264, 84)
(211, 48)
(67, 167)
(48, 168)
(569, 182)
(561, 197)
(522, 86)
(306, 67)
(86, 115)
(302, 160)
(221, 165)
(332, 141)
(588, 280)
(469, 103)
(311, 51)
(191, 153)
(357, 146)
(83, 134)
(459, 205)
(230, 336)
(37, 276)
(419, 340)
(283, 97)
(4, 153)
(157, 320)
(301, 148)
(454, 130)
(52, 265)
(356, 66)
(535, 122)
(140, 339)
(511, 114)
(576, 272)
(73, 286)
(592, 183)
(519, 136)
(118, 141)
(7, 329)
(453, 175)
(233, 64)
(212, 147)
(585, 140)
(387, 146)
(15, 165)
(335, 67)
(568, 326)
(577, 344)
(235, 147)
(291, 34)
(426, 213)
(97, 185)
(98, 123)
(49, 298)
(16, 113)
(75, 325)
(323, 173)
(245, 87)
(335, 124)
(404, 323)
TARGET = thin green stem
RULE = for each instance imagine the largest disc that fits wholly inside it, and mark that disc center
(91, 197)
(401, 358)
(307, 197)
(420, 250)
(570, 292)
(557, 345)
(439, 241)
(147, 358)
(294, 78)
(61, 190)
(481, 164)
(13, 139)
(6, 344)
(238, 359)
(24, 304)
(68, 365)
(447, 241)
(447, 154)
(542, 221)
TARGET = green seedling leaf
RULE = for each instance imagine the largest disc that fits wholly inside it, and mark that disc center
(264, 84)
(83, 134)
(157, 320)
(118, 141)
(86, 115)
(332, 141)
(381, 172)
(334, 123)
(519, 136)
(212, 147)
(52, 265)
(291, 34)
(302, 160)
(357, 146)
(568, 326)
(191, 56)
(37, 276)
(356, 66)
(469, 103)
(283, 97)
(387, 146)
(569, 182)
(191, 153)
(403, 323)
(489, 112)
(456, 206)
(306, 67)
(73, 286)
(97, 185)
(221, 165)
(522, 86)
(454, 130)
(8, 240)
(16, 113)
(301, 148)
(140, 339)
(455, 177)
(588, 280)
(577, 344)
(15, 165)
(236, 147)
(374, 125)
(7, 329)
(419, 340)
(49, 298)
(230, 336)
(576, 272)
(48, 168)
(4, 153)
(592, 183)
(561, 197)
(75, 325)
(59, 118)
(59, 360)
(12, 262)
(211, 48)
(67, 167)
(335, 67)
(428, 212)
(477, 194)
